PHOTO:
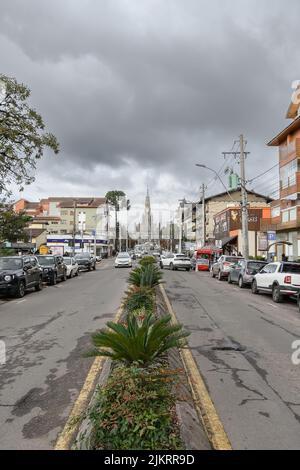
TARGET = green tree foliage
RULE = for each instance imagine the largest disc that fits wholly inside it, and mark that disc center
(12, 225)
(141, 340)
(113, 198)
(22, 136)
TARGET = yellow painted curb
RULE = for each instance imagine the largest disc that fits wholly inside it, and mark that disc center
(67, 436)
(203, 403)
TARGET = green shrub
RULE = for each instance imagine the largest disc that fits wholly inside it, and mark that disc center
(141, 340)
(140, 299)
(145, 276)
(135, 411)
(147, 260)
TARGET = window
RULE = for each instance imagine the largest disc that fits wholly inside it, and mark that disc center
(275, 212)
(289, 215)
(63, 212)
(288, 174)
(285, 216)
(293, 214)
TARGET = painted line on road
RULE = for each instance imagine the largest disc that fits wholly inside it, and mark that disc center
(203, 402)
(21, 301)
(68, 434)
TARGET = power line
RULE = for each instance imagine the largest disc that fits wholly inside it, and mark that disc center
(264, 173)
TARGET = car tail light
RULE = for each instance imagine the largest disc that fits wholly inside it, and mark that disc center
(288, 280)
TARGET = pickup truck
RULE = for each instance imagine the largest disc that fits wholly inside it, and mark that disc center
(279, 279)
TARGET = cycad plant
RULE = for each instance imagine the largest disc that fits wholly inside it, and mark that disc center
(141, 341)
(139, 299)
(145, 276)
(147, 260)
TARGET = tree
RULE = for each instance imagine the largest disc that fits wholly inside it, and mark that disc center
(22, 136)
(12, 225)
(113, 198)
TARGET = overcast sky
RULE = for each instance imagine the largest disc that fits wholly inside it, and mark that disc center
(141, 90)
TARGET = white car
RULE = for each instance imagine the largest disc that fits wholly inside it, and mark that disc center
(279, 279)
(175, 261)
(123, 260)
(72, 267)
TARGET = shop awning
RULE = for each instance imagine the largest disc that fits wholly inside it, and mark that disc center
(228, 240)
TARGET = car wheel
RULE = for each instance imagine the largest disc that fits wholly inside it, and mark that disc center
(77, 273)
(64, 278)
(172, 266)
(188, 269)
(241, 282)
(94, 268)
(276, 294)
(219, 276)
(254, 288)
(39, 286)
(53, 280)
(229, 279)
(20, 290)
(161, 266)
(212, 274)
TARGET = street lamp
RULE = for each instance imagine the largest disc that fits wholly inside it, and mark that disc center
(217, 175)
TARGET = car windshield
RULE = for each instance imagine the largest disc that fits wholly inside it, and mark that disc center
(291, 268)
(123, 255)
(46, 260)
(233, 259)
(255, 267)
(83, 256)
(67, 261)
(10, 263)
(180, 256)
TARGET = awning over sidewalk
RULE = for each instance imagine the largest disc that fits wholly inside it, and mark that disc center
(228, 241)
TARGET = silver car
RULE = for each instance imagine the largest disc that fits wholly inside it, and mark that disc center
(222, 267)
(244, 271)
(123, 260)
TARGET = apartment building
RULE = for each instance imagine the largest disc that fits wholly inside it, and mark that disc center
(215, 204)
(285, 214)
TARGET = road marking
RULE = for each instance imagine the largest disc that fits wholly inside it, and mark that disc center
(272, 305)
(68, 434)
(203, 402)
(21, 301)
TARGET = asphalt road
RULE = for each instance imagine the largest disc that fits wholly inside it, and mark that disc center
(46, 335)
(256, 388)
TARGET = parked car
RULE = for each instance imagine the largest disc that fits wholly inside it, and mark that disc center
(279, 279)
(86, 261)
(175, 261)
(19, 273)
(123, 260)
(221, 268)
(244, 271)
(72, 267)
(54, 268)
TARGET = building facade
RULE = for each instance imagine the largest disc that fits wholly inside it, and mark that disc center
(285, 212)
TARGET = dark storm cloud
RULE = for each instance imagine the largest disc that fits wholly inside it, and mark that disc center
(153, 85)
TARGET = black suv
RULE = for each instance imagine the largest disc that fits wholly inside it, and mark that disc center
(86, 261)
(54, 268)
(18, 273)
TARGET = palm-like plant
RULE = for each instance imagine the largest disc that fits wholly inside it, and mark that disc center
(140, 298)
(142, 340)
(145, 276)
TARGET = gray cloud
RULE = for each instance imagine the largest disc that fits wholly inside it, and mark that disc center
(140, 89)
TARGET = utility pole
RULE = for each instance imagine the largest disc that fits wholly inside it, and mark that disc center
(244, 200)
(203, 215)
(74, 224)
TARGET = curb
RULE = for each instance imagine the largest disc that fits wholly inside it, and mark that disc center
(203, 402)
(70, 430)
